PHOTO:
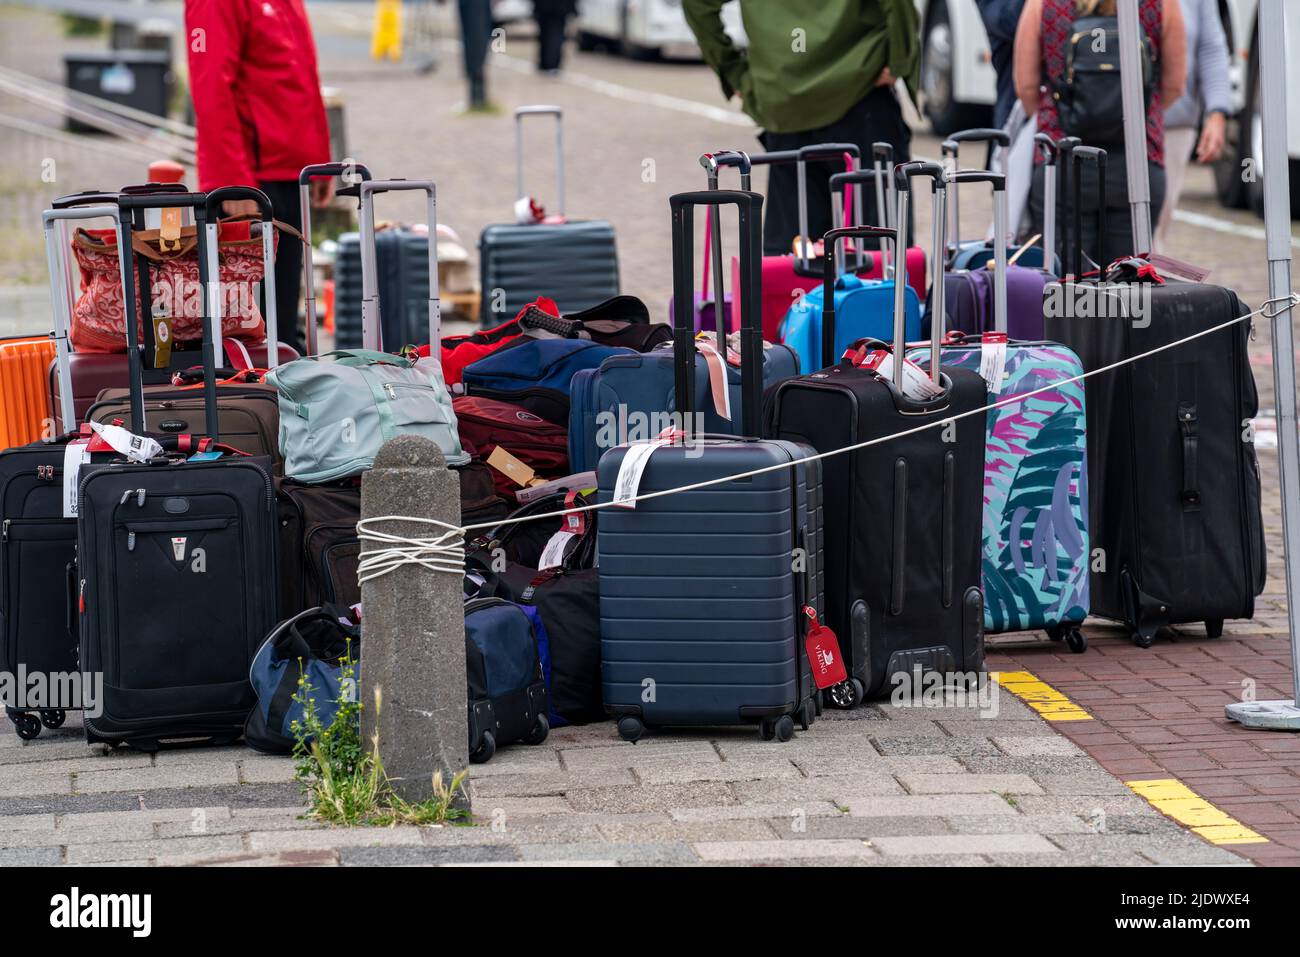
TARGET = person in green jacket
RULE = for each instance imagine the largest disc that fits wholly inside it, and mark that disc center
(815, 73)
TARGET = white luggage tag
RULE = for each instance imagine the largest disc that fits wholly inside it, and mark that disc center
(137, 448)
(916, 383)
(630, 470)
(75, 454)
(575, 526)
(993, 359)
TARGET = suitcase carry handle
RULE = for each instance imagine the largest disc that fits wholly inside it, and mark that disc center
(817, 151)
(938, 177)
(839, 182)
(540, 110)
(370, 328)
(90, 197)
(134, 361)
(999, 184)
(712, 162)
(62, 293)
(749, 206)
(1078, 156)
(305, 176)
(212, 287)
(830, 246)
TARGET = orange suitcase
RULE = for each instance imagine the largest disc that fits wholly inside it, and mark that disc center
(24, 390)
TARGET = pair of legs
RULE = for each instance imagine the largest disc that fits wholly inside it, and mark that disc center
(875, 118)
(1117, 240)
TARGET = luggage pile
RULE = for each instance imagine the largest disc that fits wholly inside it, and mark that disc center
(736, 518)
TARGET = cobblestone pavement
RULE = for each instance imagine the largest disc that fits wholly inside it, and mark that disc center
(878, 786)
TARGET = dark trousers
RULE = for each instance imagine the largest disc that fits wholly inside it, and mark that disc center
(1118, 237)
(550, 39)
(875, 118)
(475, 30)
(283, 195)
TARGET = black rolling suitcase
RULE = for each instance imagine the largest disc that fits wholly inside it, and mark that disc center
(1173, 480)
(38, 532)
(177, 564)
(574, 262)
(402, 258)
(902, 537)
(705, 594)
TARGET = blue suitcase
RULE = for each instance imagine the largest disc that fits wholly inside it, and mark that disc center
(864, 309)
(703, 593)
(630, 396)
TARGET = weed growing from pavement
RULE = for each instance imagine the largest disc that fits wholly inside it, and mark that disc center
(344, 781)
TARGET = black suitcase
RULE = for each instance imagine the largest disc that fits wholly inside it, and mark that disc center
(704, 592)
(177, 564)
(38, 549)
(318, 545)
(402, 258)
(574, 262)
(1173, 480)
(902, 537)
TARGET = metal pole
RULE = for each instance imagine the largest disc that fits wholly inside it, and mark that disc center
(1280, 715)
(1135, 141)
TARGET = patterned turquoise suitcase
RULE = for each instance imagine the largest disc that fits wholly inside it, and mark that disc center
(1035, 531)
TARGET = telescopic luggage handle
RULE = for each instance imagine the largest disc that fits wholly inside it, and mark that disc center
(540, 110)
(950, 148)
(818, 151)
(749, 207)
(1078, 156)
(212, 284)
(81, 206)
(830, 246)
(938, 185)
(999, 183)
(712, 162)
(308, 173)
(134, 202)
(882, 160)
(1051, 152)
(839, 182)
(370, 328)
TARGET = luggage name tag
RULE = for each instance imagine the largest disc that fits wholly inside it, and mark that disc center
(512, 468)
(205, 456)
(993, 359)
(631, 469)
(169, 232)
(75, 454)
(162, 333)
(916, 383)
(1178, 268)
(717, 378)
(823, 652)
(528, 211)
(584, 482)
(553, 553)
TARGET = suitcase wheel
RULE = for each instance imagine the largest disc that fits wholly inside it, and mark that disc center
(1143, 640)
(1214, 628)
(487, 747)
(53, 718)
(847, 694)
(807, 714)
(1072, 635)
(781, 728)
(28, 726)
(630, 728)
(539, 732)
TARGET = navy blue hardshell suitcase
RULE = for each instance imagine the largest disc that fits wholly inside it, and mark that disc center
(703, 593)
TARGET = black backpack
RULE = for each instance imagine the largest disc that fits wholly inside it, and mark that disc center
(1089, 94)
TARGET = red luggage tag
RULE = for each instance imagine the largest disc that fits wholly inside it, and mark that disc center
(993, 359)
(823, 652)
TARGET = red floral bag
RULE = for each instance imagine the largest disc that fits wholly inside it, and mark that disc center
(98, 317)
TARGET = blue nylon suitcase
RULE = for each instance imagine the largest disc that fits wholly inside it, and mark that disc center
(574, 262)
(1035, 563)
(703, 593)
(864, 309)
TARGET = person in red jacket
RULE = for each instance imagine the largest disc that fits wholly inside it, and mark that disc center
(260, 117)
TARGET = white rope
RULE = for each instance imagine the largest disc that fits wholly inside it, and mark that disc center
(446, 552)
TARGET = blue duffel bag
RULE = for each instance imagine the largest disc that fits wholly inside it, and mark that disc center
(529, 363)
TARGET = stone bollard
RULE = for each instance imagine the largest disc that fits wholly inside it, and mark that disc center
(413, 644)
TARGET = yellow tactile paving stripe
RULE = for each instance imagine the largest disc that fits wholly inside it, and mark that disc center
(1040, 696)
(1175, 799)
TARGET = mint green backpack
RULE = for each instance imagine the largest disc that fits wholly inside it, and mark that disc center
(337, 409)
